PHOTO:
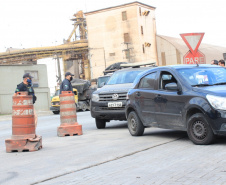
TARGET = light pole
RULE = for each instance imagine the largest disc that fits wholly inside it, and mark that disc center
(58, 68)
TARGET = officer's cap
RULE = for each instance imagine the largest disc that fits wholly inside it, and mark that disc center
(27, 75)
(68, 73)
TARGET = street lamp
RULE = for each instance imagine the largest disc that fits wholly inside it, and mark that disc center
(58, 67)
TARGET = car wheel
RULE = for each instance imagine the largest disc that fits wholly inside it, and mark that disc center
(84, 107)
(199, 131)
(56, 112)
(77, 108)
(100, 123)
(135, 126)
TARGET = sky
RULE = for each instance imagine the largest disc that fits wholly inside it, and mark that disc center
(39, 23)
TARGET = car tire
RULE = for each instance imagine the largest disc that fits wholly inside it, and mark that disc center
(135, 126)
(100, 123)
(199, 131)
(84, 107)
(56, 112)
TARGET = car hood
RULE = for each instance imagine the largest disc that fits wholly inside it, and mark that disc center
(217, 90)
(117, 88)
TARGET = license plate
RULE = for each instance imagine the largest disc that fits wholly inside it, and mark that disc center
(115, 104)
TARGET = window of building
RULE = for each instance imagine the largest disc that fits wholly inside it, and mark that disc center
(142, 30)
(111, 54)
(148, 82)
(143, 48)
(126, 37)
(124, 16)
(140, 10)
(35, 80)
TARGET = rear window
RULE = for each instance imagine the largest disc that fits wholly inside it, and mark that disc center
(123, 77)
(148, 81)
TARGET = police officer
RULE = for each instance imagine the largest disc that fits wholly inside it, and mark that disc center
(66, 84)
(26, 85)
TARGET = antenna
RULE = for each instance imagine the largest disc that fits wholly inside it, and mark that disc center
(197, 64)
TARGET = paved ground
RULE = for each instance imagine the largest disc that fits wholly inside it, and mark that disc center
(176, 162)
(111, 156)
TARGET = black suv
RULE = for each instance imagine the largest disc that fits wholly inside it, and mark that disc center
(108, 103)
(191, 98)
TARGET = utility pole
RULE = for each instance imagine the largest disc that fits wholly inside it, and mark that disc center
(58, 67)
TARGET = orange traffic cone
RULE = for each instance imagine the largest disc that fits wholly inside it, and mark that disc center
(68, 116)
(23, 125)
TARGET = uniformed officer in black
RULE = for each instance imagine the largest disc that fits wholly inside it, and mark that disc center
(66, 84)
(26, 85)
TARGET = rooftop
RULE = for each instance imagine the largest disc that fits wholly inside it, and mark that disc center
(121, 6)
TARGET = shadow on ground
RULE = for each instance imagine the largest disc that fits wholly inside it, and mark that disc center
(158, 132)
(116, 125)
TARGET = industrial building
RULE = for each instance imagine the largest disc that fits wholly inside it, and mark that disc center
(127, 33)
(124, 33)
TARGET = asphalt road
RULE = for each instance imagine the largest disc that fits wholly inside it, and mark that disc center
(111, 156)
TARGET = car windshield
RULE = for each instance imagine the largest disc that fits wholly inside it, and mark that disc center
(122, 77)
(204, 76)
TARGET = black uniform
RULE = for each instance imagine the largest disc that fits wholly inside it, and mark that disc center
(66, 86)
(28, 88)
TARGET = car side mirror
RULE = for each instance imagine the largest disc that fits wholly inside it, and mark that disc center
(171, 86)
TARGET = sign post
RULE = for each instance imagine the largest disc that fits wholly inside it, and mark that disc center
(193, 41)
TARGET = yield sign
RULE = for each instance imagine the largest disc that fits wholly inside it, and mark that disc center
(193, 41)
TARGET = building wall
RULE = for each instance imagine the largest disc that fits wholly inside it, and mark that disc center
(106, 41)
(12, 75)
(172, 50)
(148, 36)
(167, 53)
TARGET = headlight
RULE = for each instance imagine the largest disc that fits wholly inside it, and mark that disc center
(95, 97)
(217, 102)
(127, 96)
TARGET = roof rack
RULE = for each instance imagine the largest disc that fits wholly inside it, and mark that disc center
(109, 71)
(138, 64)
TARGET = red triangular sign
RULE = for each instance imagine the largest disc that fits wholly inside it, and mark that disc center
(192, 40)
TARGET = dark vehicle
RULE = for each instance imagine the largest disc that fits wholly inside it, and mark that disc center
(108, 103)
(84, 93)
(190, 98)
(102, 80)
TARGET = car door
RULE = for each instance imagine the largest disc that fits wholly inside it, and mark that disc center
(145, 97)
(169, 105)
